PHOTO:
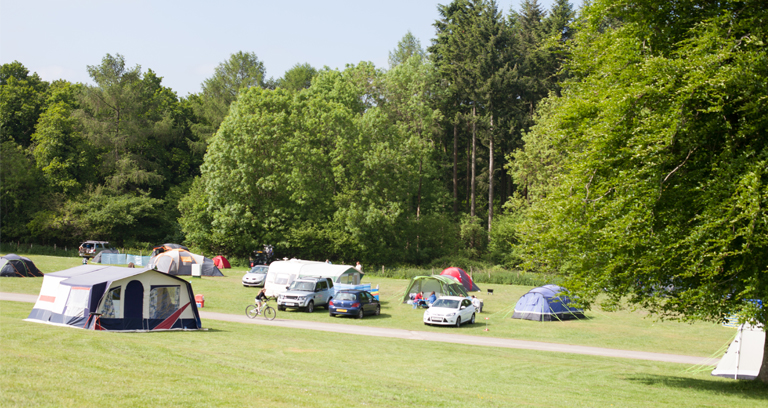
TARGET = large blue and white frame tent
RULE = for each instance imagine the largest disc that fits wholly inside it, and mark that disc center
(115, 298)
(546, 303)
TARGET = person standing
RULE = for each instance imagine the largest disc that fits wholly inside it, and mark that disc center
(359, 267)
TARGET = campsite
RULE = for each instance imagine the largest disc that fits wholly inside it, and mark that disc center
(215, 371)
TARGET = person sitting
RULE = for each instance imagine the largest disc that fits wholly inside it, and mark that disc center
(261, 298)
(431, 299)
(418, 300)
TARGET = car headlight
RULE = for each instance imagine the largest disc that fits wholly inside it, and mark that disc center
(450, 314)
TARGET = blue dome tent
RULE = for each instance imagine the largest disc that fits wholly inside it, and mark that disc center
(546, 303)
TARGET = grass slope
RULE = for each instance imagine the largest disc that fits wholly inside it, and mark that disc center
(249, 365)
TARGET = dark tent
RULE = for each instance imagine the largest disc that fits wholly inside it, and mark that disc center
(462, 277)
(546, 303)
(19, 266)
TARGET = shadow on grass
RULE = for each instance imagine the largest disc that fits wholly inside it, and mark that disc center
(367, 317)
(755, 390)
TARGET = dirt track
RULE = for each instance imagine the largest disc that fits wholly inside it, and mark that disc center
(431, 336)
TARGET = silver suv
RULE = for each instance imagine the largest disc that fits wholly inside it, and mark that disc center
(306, 293)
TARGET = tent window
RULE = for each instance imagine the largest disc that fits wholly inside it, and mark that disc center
(77, 301)
(112, 303)
(163, 301)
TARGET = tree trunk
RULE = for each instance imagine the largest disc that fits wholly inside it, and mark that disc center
(763, 375)
(455, 168)
(418, 198)
(469, 166)
(490, 178)
(474, 149)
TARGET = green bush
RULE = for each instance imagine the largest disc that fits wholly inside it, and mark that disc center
(33, 249)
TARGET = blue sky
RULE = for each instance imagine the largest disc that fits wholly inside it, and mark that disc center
(183, 41)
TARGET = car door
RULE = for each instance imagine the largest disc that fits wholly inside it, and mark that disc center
(367, 301)
(467, 310)
(321, 294)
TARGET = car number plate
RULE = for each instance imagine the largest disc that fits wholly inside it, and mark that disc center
(342, 310)
(290, 304)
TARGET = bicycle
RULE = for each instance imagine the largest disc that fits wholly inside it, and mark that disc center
(267, 311)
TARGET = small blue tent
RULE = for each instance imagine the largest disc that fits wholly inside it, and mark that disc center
(546, 303)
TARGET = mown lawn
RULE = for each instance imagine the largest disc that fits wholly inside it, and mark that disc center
(631, 330)
(251, 365)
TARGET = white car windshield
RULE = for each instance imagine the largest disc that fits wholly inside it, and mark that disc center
(303, 286)
(258, 269)
(446, 303)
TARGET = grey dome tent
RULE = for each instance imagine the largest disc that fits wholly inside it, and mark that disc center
(441, 285)
(18, 266)
(546, 303)
(97, 258)
(179, 262)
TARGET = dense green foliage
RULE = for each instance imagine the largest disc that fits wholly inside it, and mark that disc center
(352, 164)
(647, 179)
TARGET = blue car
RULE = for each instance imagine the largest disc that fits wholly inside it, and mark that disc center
(356, 303)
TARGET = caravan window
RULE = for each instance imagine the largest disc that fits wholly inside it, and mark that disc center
(282, 279)
(111, 306)
(163, 301)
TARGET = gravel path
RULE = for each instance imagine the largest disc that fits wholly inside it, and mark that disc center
(432, 336)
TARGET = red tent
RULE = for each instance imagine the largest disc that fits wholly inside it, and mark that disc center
(221, 262)
(461, 276)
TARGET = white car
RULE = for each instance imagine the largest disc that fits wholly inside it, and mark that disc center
(450, 311)
(256, 276)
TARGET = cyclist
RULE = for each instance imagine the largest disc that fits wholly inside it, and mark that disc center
(261, 298)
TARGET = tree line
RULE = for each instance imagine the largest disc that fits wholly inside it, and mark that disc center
(382, 165)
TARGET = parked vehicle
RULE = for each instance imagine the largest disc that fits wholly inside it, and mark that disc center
(262, 256)
(89, 249)
(282, 273)
(450, 311)
(306, 293)
(356, 303)
(256, 276)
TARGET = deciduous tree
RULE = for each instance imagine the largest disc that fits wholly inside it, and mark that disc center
(658, 183)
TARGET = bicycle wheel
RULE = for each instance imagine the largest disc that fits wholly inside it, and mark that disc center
(269, 313)
(251, 311)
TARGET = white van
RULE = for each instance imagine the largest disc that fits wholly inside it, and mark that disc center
(282, 273)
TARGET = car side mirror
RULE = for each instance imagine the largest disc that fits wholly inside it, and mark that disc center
(463, 307)
(286, 287)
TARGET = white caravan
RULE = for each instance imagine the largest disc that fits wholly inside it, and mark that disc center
(282, 273)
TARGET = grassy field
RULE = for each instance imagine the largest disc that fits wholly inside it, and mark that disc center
(631, 330)
(248, 365)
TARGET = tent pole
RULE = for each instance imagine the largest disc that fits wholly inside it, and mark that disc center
(738, 353)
